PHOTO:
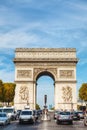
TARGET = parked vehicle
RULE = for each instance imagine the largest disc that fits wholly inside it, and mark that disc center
(4, 119)
(64, 117)
(85, 120)
(81, 114)
(39, 112)
(26, 116)
(36, 114)
(75, 115)
(18, 113)
(55, 114)
(1, 109)
(10, 112)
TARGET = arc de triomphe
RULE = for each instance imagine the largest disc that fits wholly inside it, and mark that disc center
(58, 63)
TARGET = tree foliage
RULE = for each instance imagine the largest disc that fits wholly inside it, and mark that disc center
(7, 92)
(1, 83)
(83, 92)
(2, 92)
(37, 107)
(9, 89)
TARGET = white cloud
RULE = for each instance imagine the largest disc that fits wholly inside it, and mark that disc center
(17, 39)
(83, 61)
(6, 76)
(21, 1)
(64, 26)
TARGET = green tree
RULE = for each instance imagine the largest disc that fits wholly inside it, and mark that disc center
(83, 93)
(2, 92)
(9, 89)
(37, 107)
(1, 83)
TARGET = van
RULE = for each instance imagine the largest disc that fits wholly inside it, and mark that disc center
(26, 116)
(10, 112)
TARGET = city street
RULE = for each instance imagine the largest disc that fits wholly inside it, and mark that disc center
(45, 125)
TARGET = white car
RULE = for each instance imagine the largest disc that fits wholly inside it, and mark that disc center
(64, 117)
(4, 119)
(26, 116)
(10, 112)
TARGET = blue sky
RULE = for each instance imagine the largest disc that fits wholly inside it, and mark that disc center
(46, 24)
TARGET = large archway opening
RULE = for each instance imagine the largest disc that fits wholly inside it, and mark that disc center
(45, 86)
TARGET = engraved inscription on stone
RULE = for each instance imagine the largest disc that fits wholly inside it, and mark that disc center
(67, 94)
(24, 74)
(66, 73)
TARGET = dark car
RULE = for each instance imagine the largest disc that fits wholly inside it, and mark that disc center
(18, 113)
(1, 109)
(36, 114)
(75, 115)
(81, 114)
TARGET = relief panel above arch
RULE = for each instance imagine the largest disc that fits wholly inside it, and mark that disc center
(67, 73)
(37, 71)
(24, 74)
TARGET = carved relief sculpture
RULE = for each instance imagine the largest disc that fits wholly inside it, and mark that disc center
(24, 74)
(58, 63)
(24, 93)
(66, 73)
(38, 70)
(67, 94)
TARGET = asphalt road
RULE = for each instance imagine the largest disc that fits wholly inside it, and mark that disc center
(45, 125)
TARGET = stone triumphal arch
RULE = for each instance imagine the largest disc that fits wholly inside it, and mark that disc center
(59, 63)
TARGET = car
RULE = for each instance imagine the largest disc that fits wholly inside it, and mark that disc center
(55, 114)
(81, 114)
(4, 119)
(36, 114)
(39, 111)
(75, 115)
(63, 117)
(26, 116)
(1, 109)
(85, 120)
(18, 113)
(10, 112)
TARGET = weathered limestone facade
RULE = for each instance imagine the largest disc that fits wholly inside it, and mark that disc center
(59, 63)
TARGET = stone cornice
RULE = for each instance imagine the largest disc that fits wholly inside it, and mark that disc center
(45, 50)
(46, 64)
(69, 81)
(75, 81)
(23, 81)
(45, 59)
(67, 103)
